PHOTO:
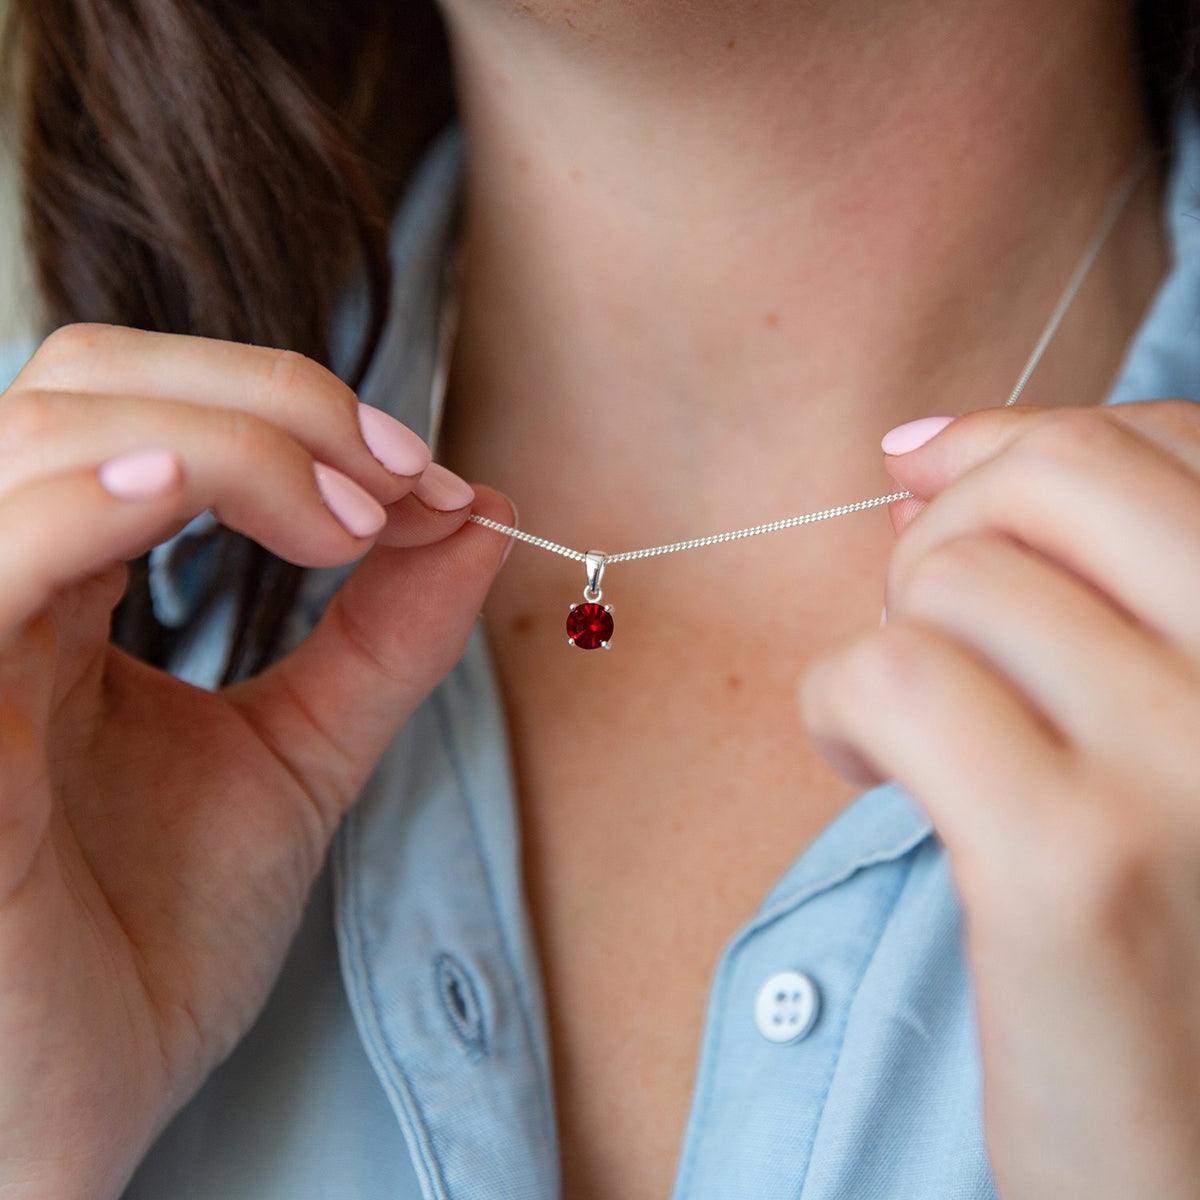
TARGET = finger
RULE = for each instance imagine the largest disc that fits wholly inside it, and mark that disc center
(1077, 660)
(1095, 497)
(930, 715)
(27, 687)
(282, 387)
(925, 456)
(59, 530)
(302, 511)
(904, 512)
(256, 478)
(388, 637)
(27, 682)
(434, 509)
(49, 432)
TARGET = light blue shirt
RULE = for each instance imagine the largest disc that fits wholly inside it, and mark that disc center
(404, 1052)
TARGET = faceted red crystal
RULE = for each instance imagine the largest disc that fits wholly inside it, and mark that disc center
(589, 626)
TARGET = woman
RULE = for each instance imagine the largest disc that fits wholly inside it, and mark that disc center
(711, 252)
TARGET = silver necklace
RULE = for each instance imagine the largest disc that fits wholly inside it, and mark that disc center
(590, 624)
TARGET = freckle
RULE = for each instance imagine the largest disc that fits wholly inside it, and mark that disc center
(734, 682)
(522, 163)
(502, 80)
(731, 44)
(576, 174)
(522, 623)
(771, 320)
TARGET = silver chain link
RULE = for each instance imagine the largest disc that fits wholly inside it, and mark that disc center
(1087, 261)
(826, 514)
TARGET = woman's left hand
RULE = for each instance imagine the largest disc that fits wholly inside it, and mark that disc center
(1037, 690)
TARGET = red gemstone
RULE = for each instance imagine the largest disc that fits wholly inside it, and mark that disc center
(589, 626)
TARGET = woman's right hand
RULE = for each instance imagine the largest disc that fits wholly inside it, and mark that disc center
(158, 841)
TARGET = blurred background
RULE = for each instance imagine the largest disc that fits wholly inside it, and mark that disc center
(16, 293)
(16, 306)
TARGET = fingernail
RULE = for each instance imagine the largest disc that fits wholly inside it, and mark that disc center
(394, 444)
(359, 513)
(908, 437)
(442, 489)
(140, 474)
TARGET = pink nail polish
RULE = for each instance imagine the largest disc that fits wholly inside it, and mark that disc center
(141, 474)
(911, 436)
(359, 513)
(394, 444)
(441, 489)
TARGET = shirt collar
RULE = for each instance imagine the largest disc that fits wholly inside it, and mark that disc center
(406, 378)
(1163, 359)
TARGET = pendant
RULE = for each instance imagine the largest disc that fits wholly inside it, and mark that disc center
(590, 624)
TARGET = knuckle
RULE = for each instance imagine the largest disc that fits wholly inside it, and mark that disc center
(248, 437)
(1064, 437)
(293, 377)
(941, 572)
(289, 370)
(1179, 417)
(71, 339)
(251, 445)
(869, 673)
(66, 348)
(31, 417)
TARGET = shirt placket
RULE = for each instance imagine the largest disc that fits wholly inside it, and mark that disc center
(438, 970)
(781, 1002)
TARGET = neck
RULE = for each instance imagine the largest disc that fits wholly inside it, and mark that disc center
(737, 242)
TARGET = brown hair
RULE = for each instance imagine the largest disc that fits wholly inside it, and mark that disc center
(217, 167)
(165, 143)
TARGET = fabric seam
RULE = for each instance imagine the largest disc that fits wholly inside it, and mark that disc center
(468, 793)
(893, 903)
(433, 1185)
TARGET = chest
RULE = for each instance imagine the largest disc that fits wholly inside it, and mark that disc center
(660, 798)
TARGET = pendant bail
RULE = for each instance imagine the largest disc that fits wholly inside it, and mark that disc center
(594, 561)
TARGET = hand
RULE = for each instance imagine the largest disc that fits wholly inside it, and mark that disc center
(157, 842)
(1037, 690)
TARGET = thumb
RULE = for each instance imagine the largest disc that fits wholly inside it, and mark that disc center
(395, 628)
(927, 455)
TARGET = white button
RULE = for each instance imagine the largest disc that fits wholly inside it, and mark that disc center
(786, 1008)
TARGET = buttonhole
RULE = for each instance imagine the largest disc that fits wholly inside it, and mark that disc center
(460, 1002)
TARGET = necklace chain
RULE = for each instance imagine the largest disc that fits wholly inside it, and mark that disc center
(1112, 214)
(826, 514)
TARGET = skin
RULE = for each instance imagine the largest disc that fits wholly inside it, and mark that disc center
(155, 834)
(1036, 687)
(799, 225)
(861, 208)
